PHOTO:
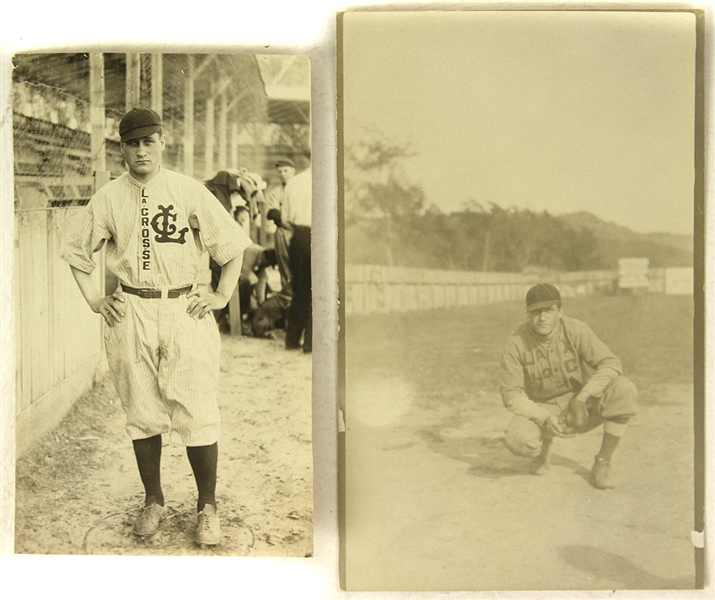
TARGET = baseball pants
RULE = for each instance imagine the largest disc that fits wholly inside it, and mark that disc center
(617, 404)
(300, 312)
(281, 243)
(165, 367)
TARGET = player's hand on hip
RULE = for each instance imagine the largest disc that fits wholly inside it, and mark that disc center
(110, 307)
(201, 303)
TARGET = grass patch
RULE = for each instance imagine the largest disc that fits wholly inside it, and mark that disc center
(454, 353)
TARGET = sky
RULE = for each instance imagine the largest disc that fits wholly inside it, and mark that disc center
(563, 112)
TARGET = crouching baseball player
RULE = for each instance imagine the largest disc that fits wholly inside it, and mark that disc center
(161, 339)
(560, 380)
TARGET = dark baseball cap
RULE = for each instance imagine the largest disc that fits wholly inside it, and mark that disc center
(542, 295)
(284, 162)
(139, 123)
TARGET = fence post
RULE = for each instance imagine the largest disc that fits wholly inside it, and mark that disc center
(96, 112)
(209, 128)
(157, 83)
(222, 130)
(133, 87)
(234, 313)
(189, 117)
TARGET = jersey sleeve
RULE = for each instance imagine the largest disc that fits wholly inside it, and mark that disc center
(220, 234)
(88, 235)
(597, 356)
(274, 198)
(511, 386)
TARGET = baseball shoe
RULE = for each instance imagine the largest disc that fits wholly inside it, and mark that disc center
(148, 521)
(541, 465)
(599, 474)
(208, 530)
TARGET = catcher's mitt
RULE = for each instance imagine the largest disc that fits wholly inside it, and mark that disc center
(575, 417)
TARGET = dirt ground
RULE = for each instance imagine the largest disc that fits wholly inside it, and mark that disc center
(435, 501)
(78, 490)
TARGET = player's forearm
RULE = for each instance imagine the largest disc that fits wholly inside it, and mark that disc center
(520, 404)
(87, 288)
(599, 357)
(605, 373)
(229, 277)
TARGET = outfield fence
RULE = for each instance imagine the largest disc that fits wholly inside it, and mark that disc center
(380, 289)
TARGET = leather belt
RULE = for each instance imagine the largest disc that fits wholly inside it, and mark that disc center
(152, 293)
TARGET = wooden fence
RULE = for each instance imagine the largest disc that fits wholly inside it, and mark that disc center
(58, 340)
(380, 289)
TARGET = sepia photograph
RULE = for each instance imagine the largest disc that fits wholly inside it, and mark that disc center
(521, 281)
(162, 295)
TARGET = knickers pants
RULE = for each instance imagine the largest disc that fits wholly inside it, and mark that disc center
(524, 437)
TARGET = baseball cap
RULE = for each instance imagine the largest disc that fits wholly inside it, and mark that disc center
(542, 295)
(285, 162)
(139, 123)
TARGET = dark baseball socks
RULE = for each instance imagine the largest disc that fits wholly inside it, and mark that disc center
(204, 460)
(148, 454)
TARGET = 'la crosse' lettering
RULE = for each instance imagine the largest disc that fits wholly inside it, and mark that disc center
(167, 229)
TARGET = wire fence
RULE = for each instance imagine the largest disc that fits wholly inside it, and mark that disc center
(215, 108)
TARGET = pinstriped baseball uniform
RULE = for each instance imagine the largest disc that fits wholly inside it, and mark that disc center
(165, 364)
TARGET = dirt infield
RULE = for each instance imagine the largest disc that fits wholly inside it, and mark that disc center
(78, 490)
(436, 502)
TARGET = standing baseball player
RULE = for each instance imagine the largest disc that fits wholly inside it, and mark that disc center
(274, 202)
(297, 215)
(162, 342)
(560, 380)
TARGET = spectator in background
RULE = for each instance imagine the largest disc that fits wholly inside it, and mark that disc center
(274, 202)
(233, 188)
(296, 215)
(227, 188)
(256, 259)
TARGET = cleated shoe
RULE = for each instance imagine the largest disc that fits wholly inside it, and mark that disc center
(148, 521)
(208, 529)
(599, 474)
(541, 465)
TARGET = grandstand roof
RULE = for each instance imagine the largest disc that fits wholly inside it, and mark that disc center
(271, 89)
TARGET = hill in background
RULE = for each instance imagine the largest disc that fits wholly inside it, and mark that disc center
(516, 240)
(615, 241)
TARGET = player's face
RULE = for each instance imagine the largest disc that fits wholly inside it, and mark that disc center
(285, 172)
(143, 156)
(544, 320)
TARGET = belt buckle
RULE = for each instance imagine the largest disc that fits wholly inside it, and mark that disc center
(146, 293)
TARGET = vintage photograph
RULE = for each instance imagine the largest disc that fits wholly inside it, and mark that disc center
(520, 246)
(163, 318)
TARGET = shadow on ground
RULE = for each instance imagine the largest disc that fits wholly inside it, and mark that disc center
(489, 457)
(612, 567)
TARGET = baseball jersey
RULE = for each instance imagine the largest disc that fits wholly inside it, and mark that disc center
(297, 200)
(155, 232)
(275, 198)
(535, 370)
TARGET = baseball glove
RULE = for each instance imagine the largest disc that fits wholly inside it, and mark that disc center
(575, 417)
